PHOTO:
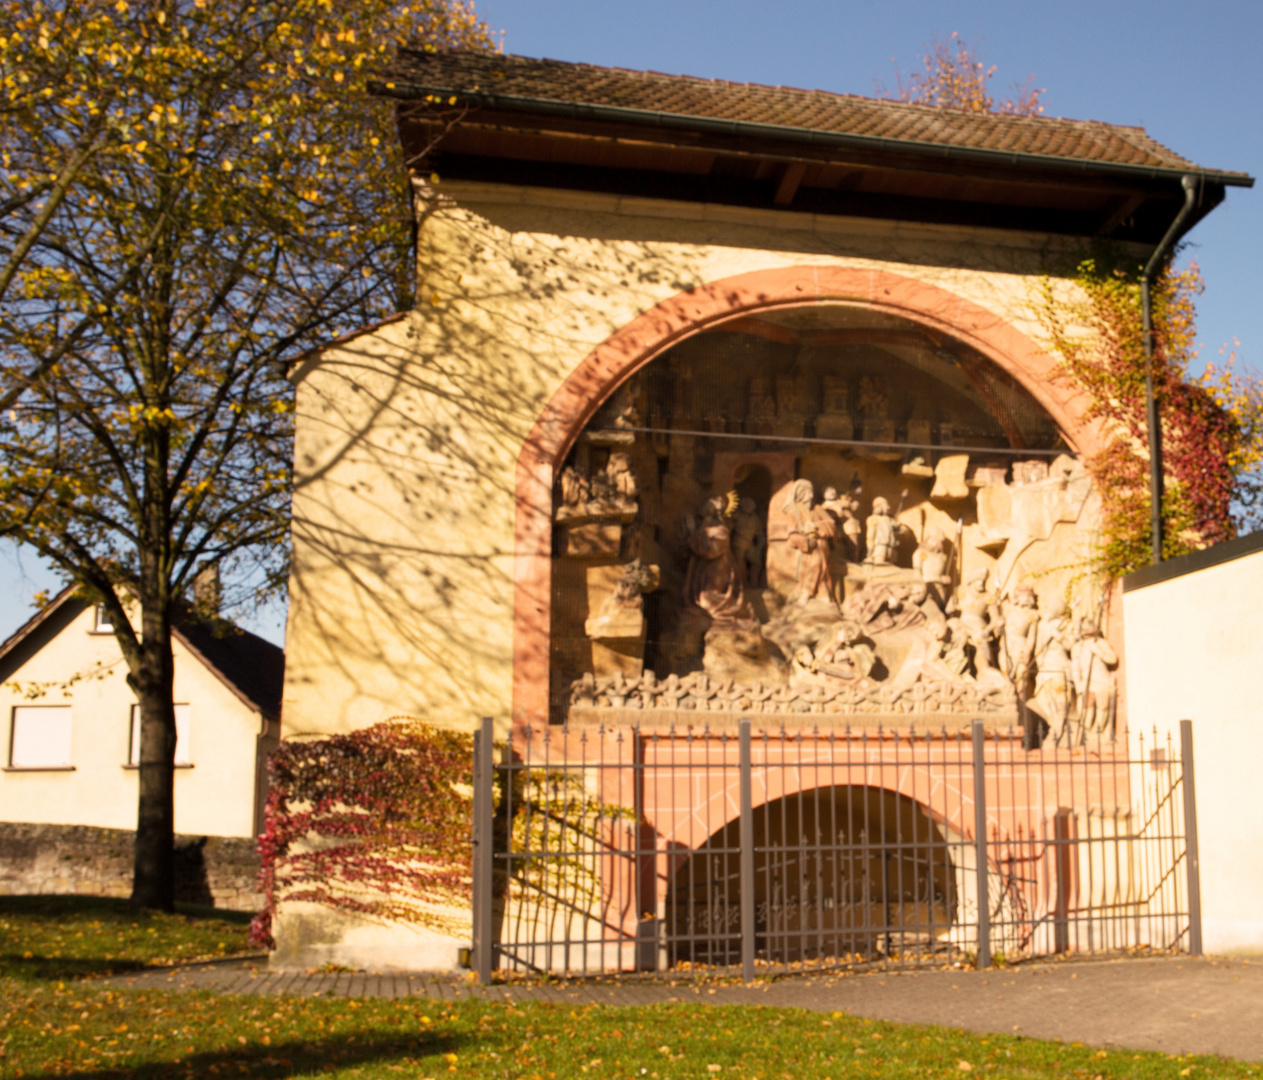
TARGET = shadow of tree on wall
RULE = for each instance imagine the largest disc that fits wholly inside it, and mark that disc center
(408, 442)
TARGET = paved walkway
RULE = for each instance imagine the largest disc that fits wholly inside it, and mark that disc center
(1177, 1005)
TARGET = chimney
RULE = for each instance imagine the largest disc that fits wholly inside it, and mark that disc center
(207, 592)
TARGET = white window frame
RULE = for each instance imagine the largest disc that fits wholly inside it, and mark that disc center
(23, 756)
(101, 621)
(183, 722)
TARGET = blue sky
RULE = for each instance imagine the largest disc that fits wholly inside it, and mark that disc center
(1188, 73)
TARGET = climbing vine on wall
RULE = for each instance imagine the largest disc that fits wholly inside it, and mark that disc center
(375, 823)
(1212, 436)
(569, 829)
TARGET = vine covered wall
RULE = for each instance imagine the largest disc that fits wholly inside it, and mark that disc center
(374, 823)
(1210, 425)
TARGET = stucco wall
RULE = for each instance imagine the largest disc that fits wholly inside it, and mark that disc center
(408, 495)
(217, 796)
(1195, 651)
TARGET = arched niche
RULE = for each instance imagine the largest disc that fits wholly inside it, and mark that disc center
(740, 389)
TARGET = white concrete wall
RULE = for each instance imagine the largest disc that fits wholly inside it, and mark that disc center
(217, 796)
(1195, 652)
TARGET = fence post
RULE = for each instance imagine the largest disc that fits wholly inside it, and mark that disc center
(747, 856)
(1191, 856)
(1063, 853)
(484, 814)
(644, 884)
(980, 846)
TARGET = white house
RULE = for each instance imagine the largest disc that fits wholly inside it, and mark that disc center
(71, 724)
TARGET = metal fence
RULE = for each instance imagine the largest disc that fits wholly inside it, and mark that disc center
(622, 850)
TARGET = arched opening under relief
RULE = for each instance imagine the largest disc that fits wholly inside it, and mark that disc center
(841, 871)
(791, 512)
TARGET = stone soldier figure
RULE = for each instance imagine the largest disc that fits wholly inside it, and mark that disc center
(883, 534)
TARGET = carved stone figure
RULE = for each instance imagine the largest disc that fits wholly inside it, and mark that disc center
(846, 656)
(802, 668)
(931, 558)
(621, 614)
(1091, 659)
(583, 690)
(1021, 622)
(979, 620)
(882, 539)
(713, 583)
(953, 650)
(749, 543)
(844, 509)
(621, 478)
(611, 492)
(1054, 690)
(918, 607)
(575, 488)
(798, 547)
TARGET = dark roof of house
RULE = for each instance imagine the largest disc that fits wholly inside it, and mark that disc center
(523, 83)
(251, 667)
(247, 664)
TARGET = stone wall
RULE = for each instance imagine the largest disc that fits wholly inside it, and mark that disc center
(83, 860)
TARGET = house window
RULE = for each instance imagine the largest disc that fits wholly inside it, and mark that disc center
(40, 737)
(181, 736)
(101, 621)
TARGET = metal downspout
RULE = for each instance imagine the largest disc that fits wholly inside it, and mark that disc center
(1191, 187)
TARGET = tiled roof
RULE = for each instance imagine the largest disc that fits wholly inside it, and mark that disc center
(249, 665)
(650, 92)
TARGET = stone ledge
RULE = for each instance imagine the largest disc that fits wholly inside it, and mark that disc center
(695, 719)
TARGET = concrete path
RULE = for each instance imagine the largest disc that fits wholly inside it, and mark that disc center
(1177, 1005)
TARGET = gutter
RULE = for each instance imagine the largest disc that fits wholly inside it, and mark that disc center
(825, 140)
(1192, 184)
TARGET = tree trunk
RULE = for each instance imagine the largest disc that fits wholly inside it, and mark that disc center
(153, 880)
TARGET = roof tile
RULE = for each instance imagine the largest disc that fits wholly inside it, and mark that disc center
(815, 110)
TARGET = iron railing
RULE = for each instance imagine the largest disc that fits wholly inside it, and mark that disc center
(621, 850)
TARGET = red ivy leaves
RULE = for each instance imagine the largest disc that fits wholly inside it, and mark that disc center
(367, 822)
(1201, 439)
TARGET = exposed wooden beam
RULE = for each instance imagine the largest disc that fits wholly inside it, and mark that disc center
(1117, 210)
(790, 179)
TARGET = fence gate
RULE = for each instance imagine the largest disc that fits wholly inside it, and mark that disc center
(620, 850)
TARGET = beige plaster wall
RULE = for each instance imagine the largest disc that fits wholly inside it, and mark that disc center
(216, 797)
(401, 594)
(1195, 652)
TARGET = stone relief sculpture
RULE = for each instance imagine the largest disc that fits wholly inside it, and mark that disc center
(609, 493)
(796, 606)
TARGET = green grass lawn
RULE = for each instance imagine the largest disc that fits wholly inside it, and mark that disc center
(54, 1022)
(67, 937)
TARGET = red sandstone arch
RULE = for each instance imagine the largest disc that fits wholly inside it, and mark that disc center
(688, 313)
